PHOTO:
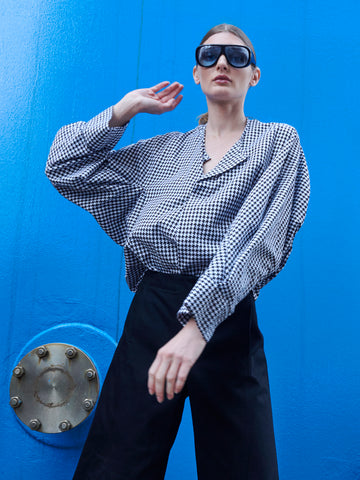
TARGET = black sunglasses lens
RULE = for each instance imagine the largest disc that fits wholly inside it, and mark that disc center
(237, 56)
(208, 55)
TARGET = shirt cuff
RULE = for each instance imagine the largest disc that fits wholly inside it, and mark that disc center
(99, 135)
(207, 304)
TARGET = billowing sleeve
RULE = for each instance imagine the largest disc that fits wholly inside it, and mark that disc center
(85, 169)
(258, 242)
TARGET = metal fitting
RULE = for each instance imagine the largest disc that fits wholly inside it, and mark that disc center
(42, 351)
(64, 425)
(53, 391)
(15, 402)
(88, 404)
(18, 371)
(34, 424)
(90, 374)
(71, 352)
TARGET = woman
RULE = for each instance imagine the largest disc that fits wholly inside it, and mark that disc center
(206, 219)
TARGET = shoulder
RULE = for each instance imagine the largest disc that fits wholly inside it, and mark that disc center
(269, 138)
(274, 130)
(173, 138)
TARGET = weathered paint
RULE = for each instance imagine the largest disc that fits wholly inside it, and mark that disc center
(66, 61)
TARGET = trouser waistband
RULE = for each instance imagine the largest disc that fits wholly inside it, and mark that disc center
(169, 281)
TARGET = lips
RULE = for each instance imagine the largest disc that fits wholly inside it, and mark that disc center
(222, 78)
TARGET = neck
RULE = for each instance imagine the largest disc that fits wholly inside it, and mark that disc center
(225, 118)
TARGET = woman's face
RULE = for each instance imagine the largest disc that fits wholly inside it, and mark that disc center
(222, 82)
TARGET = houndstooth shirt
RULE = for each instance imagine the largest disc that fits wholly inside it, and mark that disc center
(232, 227)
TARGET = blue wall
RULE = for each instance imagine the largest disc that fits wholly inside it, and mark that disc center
(68, 60)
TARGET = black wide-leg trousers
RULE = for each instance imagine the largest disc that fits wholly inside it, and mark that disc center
(131, 434)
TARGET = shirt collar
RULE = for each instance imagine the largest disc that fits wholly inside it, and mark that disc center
(236, 154)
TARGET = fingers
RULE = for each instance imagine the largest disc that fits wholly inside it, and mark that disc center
(171, 104)
(163, 376)
(171, 378)
(159, 86)
(158, 100)
(160, 379)
(174, 360)
(161, 91)
(176, 101)
(182, 376)
(170, 92)
(152, 373)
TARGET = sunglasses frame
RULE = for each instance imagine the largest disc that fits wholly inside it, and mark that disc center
(223, 52)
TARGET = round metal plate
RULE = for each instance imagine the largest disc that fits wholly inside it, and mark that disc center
(54, 390)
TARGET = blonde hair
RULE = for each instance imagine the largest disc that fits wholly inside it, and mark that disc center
(226, 27)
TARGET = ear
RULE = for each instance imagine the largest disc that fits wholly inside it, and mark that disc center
(255, 77)
(196, 75)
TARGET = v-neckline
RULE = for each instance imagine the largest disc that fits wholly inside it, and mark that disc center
(205, 156)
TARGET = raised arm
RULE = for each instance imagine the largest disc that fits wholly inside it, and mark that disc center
(159, 99)
(85, 169)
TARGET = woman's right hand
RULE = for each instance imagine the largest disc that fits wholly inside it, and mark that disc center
(158, 99)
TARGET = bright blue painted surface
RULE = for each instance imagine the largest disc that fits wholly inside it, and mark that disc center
(66, 61)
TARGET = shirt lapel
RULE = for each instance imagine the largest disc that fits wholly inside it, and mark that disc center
(238, 153)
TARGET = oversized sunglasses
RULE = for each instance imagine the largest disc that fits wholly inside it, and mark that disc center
(238, 56)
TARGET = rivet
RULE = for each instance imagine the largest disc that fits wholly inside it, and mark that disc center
(88, 404)
(34, 424)
(15, 402)
(42, 351)
(19, 371)
(90, 374)
(64, 425)
(71, 352)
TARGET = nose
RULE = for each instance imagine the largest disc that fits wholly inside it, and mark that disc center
(222, 62)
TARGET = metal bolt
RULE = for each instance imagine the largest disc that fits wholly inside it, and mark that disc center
(42, 351)
(64, 425)
(35, 424)
(15, 402)
(71, 352)
(90, 374)
(88, 404)
(19, 371)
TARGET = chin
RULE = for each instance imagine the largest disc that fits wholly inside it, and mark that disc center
(222, 95)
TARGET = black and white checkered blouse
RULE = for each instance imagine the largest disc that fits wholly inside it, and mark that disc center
(233, 227)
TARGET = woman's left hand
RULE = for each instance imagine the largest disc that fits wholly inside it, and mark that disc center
(174, 360)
